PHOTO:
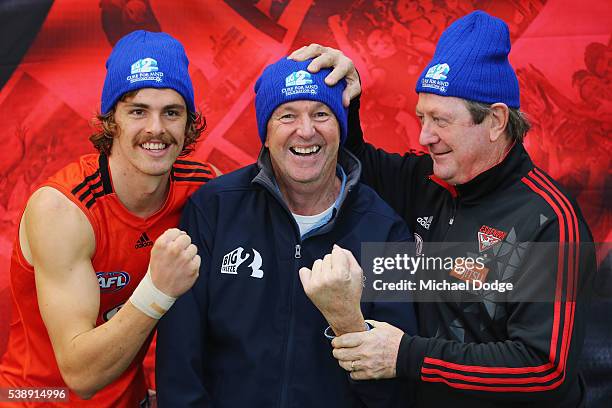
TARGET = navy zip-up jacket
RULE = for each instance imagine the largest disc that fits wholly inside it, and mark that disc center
(246, 334)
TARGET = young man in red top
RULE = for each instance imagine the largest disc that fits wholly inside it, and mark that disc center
(88, 283)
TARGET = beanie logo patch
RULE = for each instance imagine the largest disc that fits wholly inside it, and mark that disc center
(298, 78)
(145, 69)
(438, 71)
(299, 82)
(435, 77)
(144, 65)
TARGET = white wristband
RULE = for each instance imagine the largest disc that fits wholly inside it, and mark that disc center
(150, 300)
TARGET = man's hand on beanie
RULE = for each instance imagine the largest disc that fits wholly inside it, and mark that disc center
(327, 57)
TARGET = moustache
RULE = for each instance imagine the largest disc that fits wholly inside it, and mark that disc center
(163, 138)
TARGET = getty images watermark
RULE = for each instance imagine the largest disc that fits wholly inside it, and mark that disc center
(467, 272)
(470, 272)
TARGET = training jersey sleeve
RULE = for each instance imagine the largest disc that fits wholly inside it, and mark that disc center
(396, 178)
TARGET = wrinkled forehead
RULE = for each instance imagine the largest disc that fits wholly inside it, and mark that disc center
(304, 105)
(432, 103)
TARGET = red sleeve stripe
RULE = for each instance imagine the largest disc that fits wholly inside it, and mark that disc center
(553, 343)
(488, 380)
(570, 305)
(490, 388)
(565, 214)
(486, 370)
(574, 250)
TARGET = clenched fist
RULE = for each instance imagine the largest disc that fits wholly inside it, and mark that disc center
(175, 262)
(334, 285)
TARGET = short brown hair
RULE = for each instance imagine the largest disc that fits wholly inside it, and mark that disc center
(106, 129)
(518, 124)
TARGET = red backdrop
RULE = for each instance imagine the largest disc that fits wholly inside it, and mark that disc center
(561, 51)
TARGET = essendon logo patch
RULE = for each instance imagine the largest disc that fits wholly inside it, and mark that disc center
(112, 281)
(488, 237)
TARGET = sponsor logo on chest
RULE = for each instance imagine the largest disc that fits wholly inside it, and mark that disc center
(232, 260)
(143, 241)
(470, 271)
(425, 222)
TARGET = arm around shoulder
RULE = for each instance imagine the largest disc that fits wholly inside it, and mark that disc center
(395, 177)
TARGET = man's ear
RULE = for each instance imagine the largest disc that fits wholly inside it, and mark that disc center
(499, 120)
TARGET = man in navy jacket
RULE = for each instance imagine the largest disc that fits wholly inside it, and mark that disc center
(247, 334)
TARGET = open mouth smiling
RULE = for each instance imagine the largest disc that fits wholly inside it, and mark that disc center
(154, 146)
(305, 151)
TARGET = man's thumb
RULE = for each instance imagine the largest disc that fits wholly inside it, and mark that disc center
(305, 275)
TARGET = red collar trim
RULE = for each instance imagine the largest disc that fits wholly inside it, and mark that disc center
(451, 189)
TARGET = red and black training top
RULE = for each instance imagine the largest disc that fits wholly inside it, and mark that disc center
(123, 246)
(480, 352)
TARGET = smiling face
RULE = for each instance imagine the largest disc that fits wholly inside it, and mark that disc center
(150, 131)
(459, 148)
(303, 139)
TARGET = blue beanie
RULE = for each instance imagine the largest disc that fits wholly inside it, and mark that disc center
(287, 81)
(471, 62)
(143, 59)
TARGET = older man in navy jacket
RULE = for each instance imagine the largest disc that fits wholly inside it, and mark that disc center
(247, 334)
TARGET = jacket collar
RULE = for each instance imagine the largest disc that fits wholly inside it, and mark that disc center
(513, 167)
(349, 163)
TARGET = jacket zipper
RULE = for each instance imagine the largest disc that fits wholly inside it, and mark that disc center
(451, 220)
(288, 347)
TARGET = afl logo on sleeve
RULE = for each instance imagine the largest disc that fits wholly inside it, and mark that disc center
(112, 281)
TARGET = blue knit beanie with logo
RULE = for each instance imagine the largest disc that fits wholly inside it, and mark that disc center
(143, 59)
(287, 81)
(471, 62)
